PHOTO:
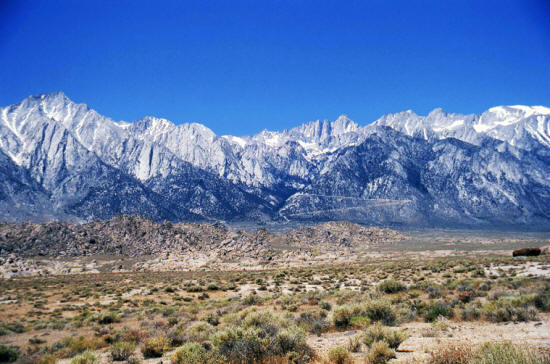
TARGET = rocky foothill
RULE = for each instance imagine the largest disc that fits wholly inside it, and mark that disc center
(58, 247)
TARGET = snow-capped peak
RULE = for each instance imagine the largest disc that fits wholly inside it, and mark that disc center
(152, 125)
(526, 111)
(55, 97)
(90, 163)
(344, 125)
(517, 125)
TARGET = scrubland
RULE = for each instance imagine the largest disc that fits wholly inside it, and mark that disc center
(469, 309)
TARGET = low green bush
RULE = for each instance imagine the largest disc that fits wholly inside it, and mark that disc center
(212, 287)
(155, 347)
(255, 337)
(192, 353)
(339, 355)
(324, 305)
(391, 286)
(379, 353)
(313, 321)
(108, 318)
(506, 309)
(8, 354)
(87, 357)
(380, 310)
(122, 350)
(71, 346)
(199, 332)
(377, 332)
(436, 309)
(341, 316)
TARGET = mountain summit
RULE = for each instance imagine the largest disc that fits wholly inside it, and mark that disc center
(62, 160)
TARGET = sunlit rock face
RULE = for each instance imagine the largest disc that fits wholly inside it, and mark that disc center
(62, 160)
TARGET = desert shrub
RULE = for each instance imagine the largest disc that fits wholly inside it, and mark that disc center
(359, 315)
(433, 292)
(122, 350)
(377, 332)
(324, 305)
(47, 359)
(359, 322)
(292, 340)
(155, 347)
(199, 332)
(436, 309)
(380, 310)
(379, 353)
(73, 346)
(192, 353)
(509, 309)
(451, 355)
(133, 360)
(238, 345)
(203, 296)
(528, 313)
(169, 311)
(8, 354)
(354, 344)
(252, 299)
(13, 327)
(212, 318)
(542, 300)
(134, 335)
(465, 297)
(313, 321)
(341, 316)
(339, 355)
(177, 336)
(108, 318)
(470, 312)
(265, 321)
(212, 287)
(260, 336)
(87, 357)
(391, 286)
(508, 353)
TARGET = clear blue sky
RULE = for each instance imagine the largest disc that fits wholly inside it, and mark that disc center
(242, 66)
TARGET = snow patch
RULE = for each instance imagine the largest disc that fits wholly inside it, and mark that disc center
(235, 140)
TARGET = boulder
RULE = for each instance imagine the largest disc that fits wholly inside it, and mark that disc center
(526, 252)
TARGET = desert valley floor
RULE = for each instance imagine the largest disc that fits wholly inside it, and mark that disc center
(305, 295)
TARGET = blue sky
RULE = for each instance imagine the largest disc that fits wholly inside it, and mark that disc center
(243, 66)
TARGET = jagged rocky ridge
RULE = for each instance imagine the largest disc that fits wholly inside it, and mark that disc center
(136, 236)
(61, 160)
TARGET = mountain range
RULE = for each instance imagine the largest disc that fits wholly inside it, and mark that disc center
(60, 160)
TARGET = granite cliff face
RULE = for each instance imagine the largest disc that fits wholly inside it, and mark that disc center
(63, 161)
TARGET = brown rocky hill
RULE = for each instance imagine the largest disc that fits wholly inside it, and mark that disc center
(135, 236)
